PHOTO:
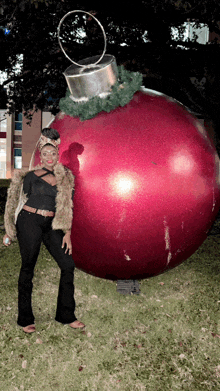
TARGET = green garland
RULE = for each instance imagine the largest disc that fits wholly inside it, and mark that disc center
(122, 92)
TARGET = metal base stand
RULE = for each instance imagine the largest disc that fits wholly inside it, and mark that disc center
(128, 287)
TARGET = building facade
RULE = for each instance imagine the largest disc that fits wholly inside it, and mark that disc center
(18, 139)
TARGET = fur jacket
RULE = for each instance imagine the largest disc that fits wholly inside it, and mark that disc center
(64, 204)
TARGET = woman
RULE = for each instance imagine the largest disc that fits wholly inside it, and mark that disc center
(39, 209)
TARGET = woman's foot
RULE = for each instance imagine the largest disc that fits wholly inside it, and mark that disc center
(77, 325)
(29, 329)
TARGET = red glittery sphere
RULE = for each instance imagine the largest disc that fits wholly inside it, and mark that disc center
(147, 186)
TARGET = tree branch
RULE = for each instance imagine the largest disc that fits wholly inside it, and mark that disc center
(16, 77)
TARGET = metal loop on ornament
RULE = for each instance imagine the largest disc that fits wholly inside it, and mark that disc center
(103, 31)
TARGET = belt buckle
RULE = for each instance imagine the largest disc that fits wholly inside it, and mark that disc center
(44, 213)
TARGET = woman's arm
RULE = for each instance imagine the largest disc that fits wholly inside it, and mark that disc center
(13, 199)
(67, 242)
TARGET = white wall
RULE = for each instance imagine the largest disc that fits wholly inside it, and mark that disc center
(46, 119)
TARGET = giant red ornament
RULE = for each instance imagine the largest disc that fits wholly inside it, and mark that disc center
(147, 187)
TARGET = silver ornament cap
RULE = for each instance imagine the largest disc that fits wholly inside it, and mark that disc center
(93, 76)
(92, 80)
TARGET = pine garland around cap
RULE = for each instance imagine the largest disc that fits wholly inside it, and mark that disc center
(122, 92)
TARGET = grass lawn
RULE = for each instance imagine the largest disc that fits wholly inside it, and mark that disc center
(166, 338)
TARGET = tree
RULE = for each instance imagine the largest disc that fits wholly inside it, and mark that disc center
(140, 36)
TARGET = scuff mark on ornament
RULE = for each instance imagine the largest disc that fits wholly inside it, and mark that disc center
(167, 240)
(126, 256)
(147, 186)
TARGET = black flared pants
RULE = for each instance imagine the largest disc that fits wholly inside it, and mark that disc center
(32, 230)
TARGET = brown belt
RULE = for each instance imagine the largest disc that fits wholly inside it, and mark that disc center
(41, 212)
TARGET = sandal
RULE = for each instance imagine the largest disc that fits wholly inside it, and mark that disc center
(77, 325)
(29, 329)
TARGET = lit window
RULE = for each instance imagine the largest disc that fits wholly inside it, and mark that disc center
(17, 158)
(18, 121)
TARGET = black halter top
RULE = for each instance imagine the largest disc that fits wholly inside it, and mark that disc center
(41, 194)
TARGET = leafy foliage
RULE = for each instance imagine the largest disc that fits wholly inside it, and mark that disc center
(139, 37)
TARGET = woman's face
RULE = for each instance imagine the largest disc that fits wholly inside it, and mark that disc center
(49, 156)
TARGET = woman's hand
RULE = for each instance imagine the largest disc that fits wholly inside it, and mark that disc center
(6, 240)
(67, 242)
